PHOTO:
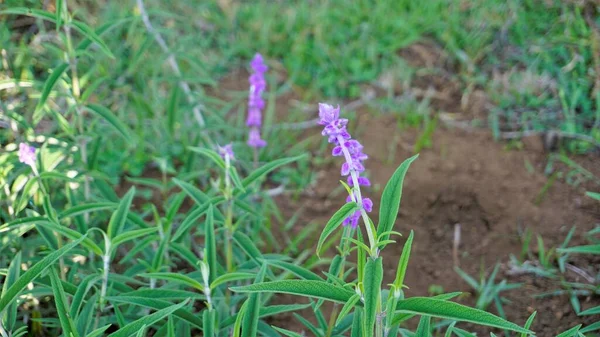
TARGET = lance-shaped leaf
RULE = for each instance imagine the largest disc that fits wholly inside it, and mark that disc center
(454, 311)
(390, 199)
(335, 221)
(308, 288)
(113, 120)
(372, 292)
(117, 221)
(265, 169)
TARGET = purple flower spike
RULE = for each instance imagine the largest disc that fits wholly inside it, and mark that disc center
(226, 151)
(336, 133)
(27, 154)
(256, 104)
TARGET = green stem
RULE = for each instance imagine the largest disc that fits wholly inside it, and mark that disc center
(76, 91)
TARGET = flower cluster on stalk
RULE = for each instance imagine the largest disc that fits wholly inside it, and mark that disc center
(337, 134)
(256, 104)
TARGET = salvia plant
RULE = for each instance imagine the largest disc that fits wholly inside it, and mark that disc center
(84, 260)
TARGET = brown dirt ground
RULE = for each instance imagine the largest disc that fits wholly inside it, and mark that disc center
(465, 178)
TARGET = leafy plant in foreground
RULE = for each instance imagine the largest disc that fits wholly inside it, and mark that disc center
(372, 311)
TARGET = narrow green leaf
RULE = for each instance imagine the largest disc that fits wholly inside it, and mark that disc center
(372, 292)
(297, 270)
(591, 327)
(528, 323)
(250, 322)
(403, 262)
(113, 120)
(60, 298)
(198, 196)
(231, 277)
(424, 327)
(90, 34)
(348, 306)
(48, 86)
(237, 181)
(208, 319)
(211, 245)
(590, 249)
(175, 277)
(335, 221)
(86, 208)
(59, 13)
(99, 332)
(159, 304)
(455, 311)
(9, 318)
(571, 332)
(311, 327)
(237, 326)
(248, 246)
(210, 154)
(265, 169)
(189, 221)
(287, 332)
(309, 288)
(593, 195)
(132, 235)
(590, 311)
(147, 320)
(9, 295)
(390, 199)
(357, 326)
(117, 221)
(36, 13)
(86, 284)
(450, 329)
(141, 332)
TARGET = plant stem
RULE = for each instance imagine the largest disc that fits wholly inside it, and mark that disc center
(3, 332)
(357, 197)
(228, 224)
(76, 90)
(104, 286)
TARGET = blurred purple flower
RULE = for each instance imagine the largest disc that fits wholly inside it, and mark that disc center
(27, 154)
(352, 150)
(255, 101)
(254, 139)
(226, 151)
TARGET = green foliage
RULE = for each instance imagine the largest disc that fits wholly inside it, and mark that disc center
(131, 222)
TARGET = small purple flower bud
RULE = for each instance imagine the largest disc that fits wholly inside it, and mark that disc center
(226, 151)
(368, 204)
(27, 154)
(362, 181)
(254, 139)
